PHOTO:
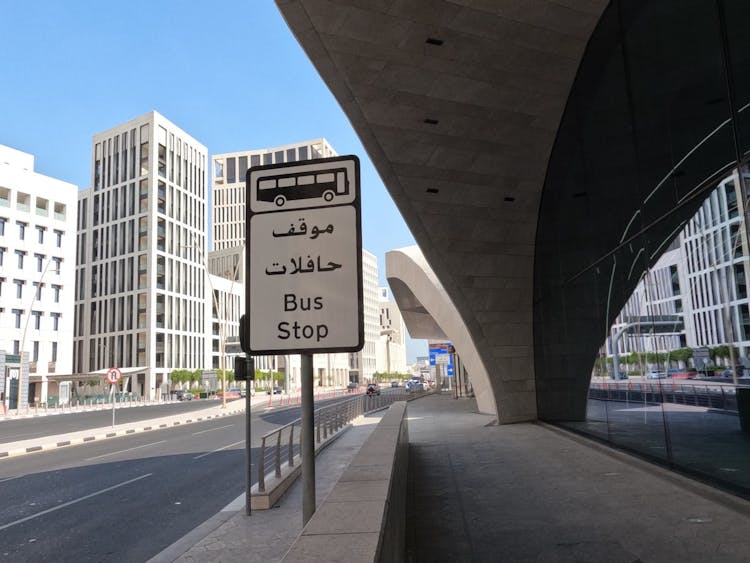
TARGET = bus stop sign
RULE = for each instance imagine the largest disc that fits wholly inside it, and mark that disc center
(304, 257)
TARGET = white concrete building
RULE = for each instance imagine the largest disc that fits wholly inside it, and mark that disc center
(391, 347)
(37, 272)
(143, 299)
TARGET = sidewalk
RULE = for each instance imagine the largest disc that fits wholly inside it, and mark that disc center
(532, 492)
(266, 535)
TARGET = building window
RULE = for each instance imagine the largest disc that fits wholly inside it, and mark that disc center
(35, 353)
(40, 234)
(17, 314)
(19, 288)
(56, 321)
(20, 254)
(21, 229)
(37, 319)
(56, 289)
(54, 351)
(2, 253)
(231, 171)
(38, 287)
(39, 261)
(58, 238)
(57, 262)
(2, 226)
(16, 347)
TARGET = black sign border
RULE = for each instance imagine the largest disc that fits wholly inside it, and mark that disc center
(248, 252)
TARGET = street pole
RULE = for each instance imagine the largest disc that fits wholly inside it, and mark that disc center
(308, 439)
(250, 363)
(23, 336)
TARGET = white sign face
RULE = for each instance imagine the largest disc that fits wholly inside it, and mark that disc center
(442, 358)
(305, 286)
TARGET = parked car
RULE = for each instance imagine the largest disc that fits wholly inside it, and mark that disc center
(276, 391)
(395, 384)
(238, 391)
(656, 375)
(184, 395)
(352, 385)
(373, 389)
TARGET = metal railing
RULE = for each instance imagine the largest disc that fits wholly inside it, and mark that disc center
(719, 397)
(80, 405)
(281, 448)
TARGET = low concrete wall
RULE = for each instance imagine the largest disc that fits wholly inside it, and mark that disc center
(364, 517)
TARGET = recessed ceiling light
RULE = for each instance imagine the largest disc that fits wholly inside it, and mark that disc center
(432, 190)
(434, 41)
(430, 121)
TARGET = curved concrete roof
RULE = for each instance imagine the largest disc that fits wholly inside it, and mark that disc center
(457, 104)
(429, 313)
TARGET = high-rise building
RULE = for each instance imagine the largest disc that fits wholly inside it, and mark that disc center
(363, 364)
(391, 347)
(37, 264)
(142, 298)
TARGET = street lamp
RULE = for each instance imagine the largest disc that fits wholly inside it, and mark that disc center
(221, 313)
(26, 326)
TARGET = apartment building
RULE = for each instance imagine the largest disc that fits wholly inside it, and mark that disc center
(37, 264)
(142, 296)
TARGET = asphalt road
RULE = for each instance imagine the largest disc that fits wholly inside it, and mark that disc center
(123, 499)
(37, 427)
(127, 498)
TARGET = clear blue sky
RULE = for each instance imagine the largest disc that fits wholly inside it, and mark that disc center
(231, 74)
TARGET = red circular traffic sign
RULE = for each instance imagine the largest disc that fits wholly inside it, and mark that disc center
(113, 375)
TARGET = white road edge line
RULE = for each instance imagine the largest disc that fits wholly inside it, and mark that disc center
(213, 452)
(43, 512)
(127, 450)
(212, 429)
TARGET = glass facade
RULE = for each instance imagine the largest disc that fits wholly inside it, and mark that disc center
(655, 124)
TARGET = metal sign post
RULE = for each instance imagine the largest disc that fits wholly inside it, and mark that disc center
(304, 272)
(113, 376)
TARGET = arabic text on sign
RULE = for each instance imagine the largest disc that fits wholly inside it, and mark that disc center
(299, 266)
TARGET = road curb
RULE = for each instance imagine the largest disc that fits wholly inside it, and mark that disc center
(54, 442)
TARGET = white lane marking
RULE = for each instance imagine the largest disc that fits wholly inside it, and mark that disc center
(63, 505)
(224, 448)
(212, 429)
(127, 450)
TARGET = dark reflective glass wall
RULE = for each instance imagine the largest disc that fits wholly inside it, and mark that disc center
(658, 116)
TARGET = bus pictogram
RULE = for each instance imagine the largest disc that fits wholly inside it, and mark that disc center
(320, 184)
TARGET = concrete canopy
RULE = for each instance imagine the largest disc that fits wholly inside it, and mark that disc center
(458, 104)
(429, 313)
